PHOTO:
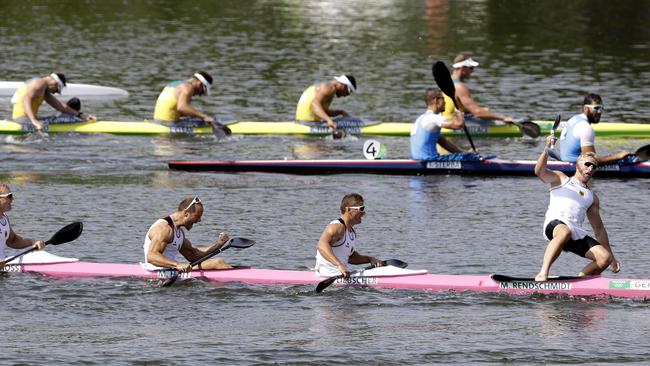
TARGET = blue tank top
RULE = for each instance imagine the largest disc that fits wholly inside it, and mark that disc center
(570, 147)
(423, 142)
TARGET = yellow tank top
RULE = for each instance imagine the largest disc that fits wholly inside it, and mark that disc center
(303, 110)
(166, 105)
(449, 111)
(19, 109)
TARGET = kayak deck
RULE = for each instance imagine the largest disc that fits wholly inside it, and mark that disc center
(489, 167)
(416, 280)
(612, 129)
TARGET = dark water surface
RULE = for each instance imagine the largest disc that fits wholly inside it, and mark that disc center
(536, 59)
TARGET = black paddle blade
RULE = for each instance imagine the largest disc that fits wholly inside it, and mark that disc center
(327, 282)
(643, 153)
(529, 128)
(338, 133)
(395, 263)
(240, 243)
(443, 79)
(220, 130)
(68, 233)
(556, 122)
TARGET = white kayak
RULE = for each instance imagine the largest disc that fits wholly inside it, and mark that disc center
(8, 88)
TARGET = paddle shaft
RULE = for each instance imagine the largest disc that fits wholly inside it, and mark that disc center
(330, 280)
(236, 242)
(177, 273)
(556, 123)
(66, 234)
(443, 79)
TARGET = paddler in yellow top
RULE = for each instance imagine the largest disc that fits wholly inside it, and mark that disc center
(463, 68)
(174, 102)
(315, 101)
(29, 97)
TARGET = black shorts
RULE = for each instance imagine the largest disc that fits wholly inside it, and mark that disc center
(579, 247)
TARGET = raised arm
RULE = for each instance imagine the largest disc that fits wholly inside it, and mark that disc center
(553, 178)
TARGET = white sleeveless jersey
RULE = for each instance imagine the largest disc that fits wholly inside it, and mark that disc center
(172, 250)
(569, 203)
(342, 249)
(5, 229)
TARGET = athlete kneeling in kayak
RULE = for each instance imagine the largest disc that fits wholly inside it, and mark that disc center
(166, 239)
(335, 248)
(578, 136)
(29, 97)
(425, 133)
(315, 101)
(174, 102)
(571, 201)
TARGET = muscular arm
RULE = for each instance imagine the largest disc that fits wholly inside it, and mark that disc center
(603, 160)
(448, 145)
(64, 108)
(462, 93)
(193, 253)
(33, 90)
(324, 92)
(161, 235)
(18, 242)
(596, 222)
(551, 177)
(358, 258)
(331, 235)
(184, 105)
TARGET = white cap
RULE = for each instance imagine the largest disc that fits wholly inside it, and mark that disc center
(59, 83)
(203, 81)
(344, 79)
(468, 62)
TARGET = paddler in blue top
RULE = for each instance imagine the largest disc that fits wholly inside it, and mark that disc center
(8, 238)
(29, 97)
(425, 133)
(578, 136)
(463, 69)
(336, 246)
(174, 102)
(315, 101)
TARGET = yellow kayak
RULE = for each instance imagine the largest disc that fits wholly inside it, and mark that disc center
(612, 129)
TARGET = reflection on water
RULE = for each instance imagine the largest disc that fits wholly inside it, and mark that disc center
(556, 319)
(537, 59)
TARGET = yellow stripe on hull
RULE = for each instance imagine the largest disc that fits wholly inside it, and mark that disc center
(613, 129)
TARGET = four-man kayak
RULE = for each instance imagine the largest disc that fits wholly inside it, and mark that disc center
(603, 129)
(385, 277)
(493, 167)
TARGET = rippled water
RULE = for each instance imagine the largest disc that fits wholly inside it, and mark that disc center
(537, 59)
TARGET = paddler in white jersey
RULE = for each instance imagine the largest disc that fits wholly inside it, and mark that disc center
(166, 239)
(8, 238)
(28, 99)
(315, 101)
(571, 201)
(336, 246)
